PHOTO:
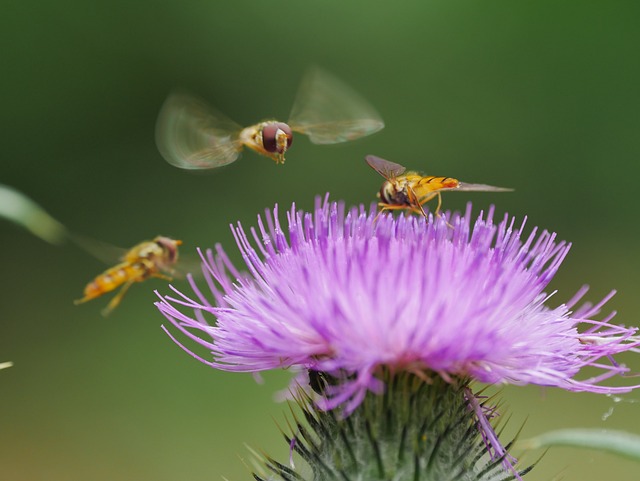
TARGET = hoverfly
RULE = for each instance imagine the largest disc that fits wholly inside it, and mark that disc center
(145, 260)
(410, 190)
(141, 262)
(192, 135)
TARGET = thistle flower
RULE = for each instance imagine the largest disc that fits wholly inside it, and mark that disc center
(344, 292)
(354, 296)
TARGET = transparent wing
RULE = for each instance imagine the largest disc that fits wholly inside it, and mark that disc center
(192, 135)
(187, 264)
(103, 251)
(386, 169)
(20, 209)
(329, 111)
(478, 188)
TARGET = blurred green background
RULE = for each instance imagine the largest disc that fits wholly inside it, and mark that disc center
(541, 96)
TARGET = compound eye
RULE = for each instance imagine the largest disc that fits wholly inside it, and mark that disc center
(277, 137)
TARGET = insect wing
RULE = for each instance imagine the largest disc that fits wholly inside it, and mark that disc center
(330, 112)
(192, 135)
(103, 251)
(385, 168)
(187, 264)
(478, 188)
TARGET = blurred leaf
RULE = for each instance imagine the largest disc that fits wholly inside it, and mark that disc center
(615, 442)
(18, 208)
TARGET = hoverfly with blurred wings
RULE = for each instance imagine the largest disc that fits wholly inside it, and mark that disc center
(143, 261)
(192, 135)
(403, 190)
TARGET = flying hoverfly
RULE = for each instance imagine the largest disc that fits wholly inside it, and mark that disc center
(192, 135)
(145, 260)
(411, 190)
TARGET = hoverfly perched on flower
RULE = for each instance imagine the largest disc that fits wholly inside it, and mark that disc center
(411, 190)
(192, 135)
(143, 261)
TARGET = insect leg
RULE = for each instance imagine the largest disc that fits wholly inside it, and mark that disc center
(437, 212)
(383, 206)
(419, 202)
(392, 206)
(416, 205)
(430, 196)
(439, 203)
(83, 300)
(427, 198)
(117, 298)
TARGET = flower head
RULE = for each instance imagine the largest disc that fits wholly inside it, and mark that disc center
(344, 293)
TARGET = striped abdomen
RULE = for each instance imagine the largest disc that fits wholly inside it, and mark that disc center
(114, 277)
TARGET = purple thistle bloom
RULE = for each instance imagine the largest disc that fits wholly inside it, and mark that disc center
(345, 293)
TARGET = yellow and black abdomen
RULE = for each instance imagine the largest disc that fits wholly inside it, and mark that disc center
(114, 277)
(429, 184)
